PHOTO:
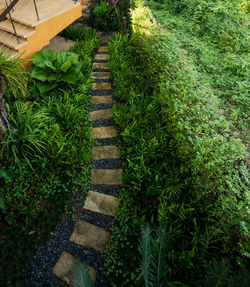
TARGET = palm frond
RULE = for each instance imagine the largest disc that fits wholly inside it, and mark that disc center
(80, 275)
(160, 246)
(145, 250)
(241, 279)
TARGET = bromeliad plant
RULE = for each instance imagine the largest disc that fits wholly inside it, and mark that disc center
(50, 69)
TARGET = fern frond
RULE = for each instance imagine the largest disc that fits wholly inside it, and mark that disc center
(145, 250)
(80, 275)
(217, 274)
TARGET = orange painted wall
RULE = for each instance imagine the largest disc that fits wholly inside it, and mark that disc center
(47, 30)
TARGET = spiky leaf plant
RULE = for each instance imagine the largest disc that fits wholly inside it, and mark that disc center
(219, 274)
(146, 254)
(159, 247)
(80, 275)
(13, 75)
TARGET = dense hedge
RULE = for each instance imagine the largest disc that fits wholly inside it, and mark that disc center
(184, 166)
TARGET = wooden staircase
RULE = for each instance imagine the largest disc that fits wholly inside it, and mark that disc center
(33, 33)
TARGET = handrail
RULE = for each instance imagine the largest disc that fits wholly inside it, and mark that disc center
(7, 10)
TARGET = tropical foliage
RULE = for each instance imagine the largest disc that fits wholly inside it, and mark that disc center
(51, 69)
(184, 153)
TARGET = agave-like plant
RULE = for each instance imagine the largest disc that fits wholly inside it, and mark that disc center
(218, 273)
(80, 275)
(153, 253)
(13, 75)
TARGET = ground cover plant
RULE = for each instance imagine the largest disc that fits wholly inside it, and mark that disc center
(185, 162)
(44, 159)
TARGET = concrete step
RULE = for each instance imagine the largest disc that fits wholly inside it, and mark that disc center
(64, 268)
(106, 177)
(101, 203)
(22, 31)
(90, 235)
(10, 40)
(25, 11)
(8, 51)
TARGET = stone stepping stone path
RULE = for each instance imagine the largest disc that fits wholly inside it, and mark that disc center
(85, 238)
(106, 174)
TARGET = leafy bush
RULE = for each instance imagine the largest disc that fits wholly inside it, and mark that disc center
(50, 69)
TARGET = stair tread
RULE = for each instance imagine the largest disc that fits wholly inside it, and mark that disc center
(22, 30)
(46, 10)
(11, 41)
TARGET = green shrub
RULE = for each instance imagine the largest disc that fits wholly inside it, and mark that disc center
(184, 164)
(50, 68)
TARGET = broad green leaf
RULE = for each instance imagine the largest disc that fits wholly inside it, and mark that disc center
(39, 74)
(2, 203)
(70, 78)
(65, 66)
(45, 86)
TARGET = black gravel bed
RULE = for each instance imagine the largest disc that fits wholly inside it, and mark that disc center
(97, 219)
(106, 53)
(107, 189)
(85, 254)
(41, 266)
(106, 163)
(104, 44)
(102, 93)
(101, 107)
(102, 123)
(100, 70)
(100, 61)
(39, 273)
(100, 80)
(107, 141)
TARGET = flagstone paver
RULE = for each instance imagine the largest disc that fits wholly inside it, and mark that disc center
(89, 235)
(101, 86)
(96, 100)
(100, 66)
(105, 40)
(102, 49)
(105, 152)
(101, 115)
(106, 177)
(102, 203)
(103, 132)
(101, 56)
(64, 267)
(100, 75)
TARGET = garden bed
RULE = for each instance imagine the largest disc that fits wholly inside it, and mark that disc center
(44, 169)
